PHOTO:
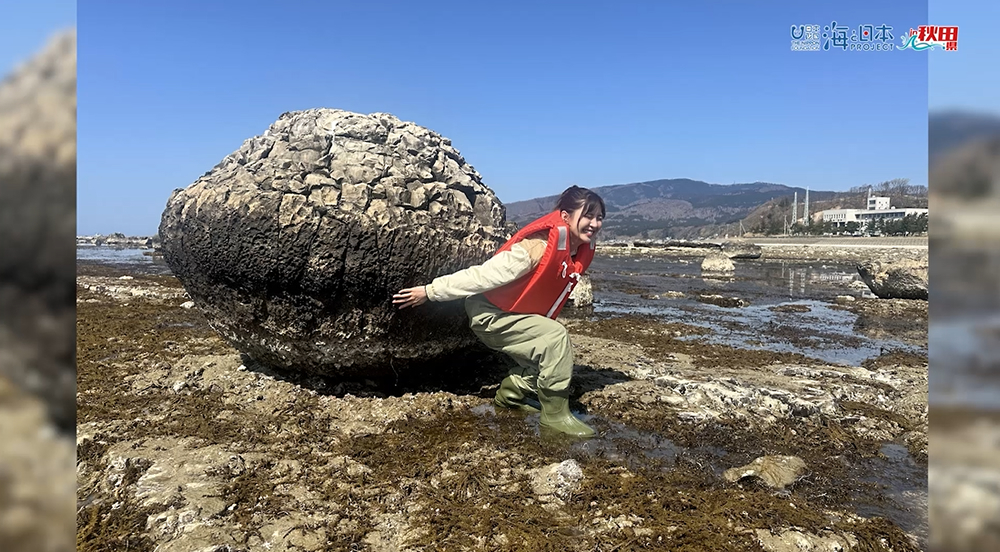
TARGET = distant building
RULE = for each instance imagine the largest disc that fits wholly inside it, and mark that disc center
(879, 208)
(876, 203)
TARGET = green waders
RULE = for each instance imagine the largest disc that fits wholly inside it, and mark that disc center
(544, 354)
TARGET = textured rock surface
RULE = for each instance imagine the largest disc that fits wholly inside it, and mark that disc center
(791, 540)
(717, 263)
(900, 280)
(294, 244)
(583, 294)
(741, 250)
(720, 301)
(557, 482)
(37, 222)
(774, 471)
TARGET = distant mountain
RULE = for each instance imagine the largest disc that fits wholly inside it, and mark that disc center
(678, 208)
(948, 131)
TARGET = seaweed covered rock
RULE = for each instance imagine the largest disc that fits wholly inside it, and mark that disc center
(899, 280)
(294, 244)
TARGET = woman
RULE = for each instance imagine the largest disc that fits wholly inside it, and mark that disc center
(514, 298)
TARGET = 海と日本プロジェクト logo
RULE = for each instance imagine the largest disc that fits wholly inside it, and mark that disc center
(863, 38)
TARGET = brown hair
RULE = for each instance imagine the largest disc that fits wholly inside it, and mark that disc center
(575, 197)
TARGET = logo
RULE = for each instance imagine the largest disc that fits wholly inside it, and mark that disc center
(871, 38)
(927, 37)
(805, 38)
(863, 38)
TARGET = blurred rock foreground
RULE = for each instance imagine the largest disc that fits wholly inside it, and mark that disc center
(37, 314)
(964, 471)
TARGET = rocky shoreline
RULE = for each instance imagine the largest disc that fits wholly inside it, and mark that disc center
(182, 436)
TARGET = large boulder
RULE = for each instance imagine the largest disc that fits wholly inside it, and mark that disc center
(741, 250)
(898, 280)
(294, 244)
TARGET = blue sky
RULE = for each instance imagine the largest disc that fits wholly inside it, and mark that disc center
(535, 97)
(963, 79)
(25, 27)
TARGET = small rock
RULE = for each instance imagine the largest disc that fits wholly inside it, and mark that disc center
(717, 263)
(125, 278)
(556, 482)
(179, 386)
(187, 304)
(720, 301)
(775, 471)
(844, 299)
(672, 400)
(583, 294)
(673, 294)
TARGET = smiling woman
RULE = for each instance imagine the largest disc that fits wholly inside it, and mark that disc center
(514, 298)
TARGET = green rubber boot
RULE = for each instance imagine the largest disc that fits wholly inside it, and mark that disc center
(556, 415)
(512, 394)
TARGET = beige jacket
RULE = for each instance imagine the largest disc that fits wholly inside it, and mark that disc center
(499, 270)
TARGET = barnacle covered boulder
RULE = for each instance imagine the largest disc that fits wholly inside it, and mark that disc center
(294, 244)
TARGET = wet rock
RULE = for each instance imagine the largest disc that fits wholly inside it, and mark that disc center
(775, 471)
(187, 305)
(673, 295)
(792, 308)
(712, 399)
(583, 294)
(556, 482)
(792, 540)
(741, 250)
(180, 479)
(293, 245)
(899, 280)
(844, 299)
(717, 263)
(37, 206)
(720, 301)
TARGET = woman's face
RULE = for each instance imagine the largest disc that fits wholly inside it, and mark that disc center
(582, 227)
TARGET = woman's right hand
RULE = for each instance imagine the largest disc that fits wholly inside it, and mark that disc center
(410, 297)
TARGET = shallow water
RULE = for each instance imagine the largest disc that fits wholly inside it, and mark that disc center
(903, 484)
(131, 259)
(825, 332)
(897, 490)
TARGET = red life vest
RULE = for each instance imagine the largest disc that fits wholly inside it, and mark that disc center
(545, 290)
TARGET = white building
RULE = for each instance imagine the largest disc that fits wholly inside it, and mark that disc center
(876, 203)
(879, 208)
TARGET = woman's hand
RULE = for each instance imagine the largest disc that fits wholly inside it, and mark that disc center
(410, 297)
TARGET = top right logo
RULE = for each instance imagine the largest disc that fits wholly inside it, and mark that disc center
(928, 37)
